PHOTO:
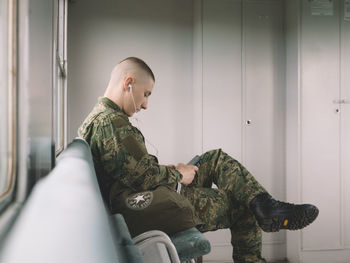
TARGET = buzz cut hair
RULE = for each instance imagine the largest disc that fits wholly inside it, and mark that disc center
(141, 64)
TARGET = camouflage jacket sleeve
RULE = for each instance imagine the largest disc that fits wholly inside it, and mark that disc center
(124, 157)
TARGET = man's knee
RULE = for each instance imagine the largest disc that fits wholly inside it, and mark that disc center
(217, 155)
(212, 154)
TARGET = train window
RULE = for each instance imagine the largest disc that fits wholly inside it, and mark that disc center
(60, 87)
(7, 112)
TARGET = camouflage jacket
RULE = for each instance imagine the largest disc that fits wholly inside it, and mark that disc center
(119, 153)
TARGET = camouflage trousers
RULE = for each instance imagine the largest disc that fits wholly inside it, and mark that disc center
(227, 206)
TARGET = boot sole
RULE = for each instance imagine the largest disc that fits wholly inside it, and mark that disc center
(298, 220)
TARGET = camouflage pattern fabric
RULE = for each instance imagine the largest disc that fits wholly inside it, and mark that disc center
(122, 162)
(227, 206)
(119, 153)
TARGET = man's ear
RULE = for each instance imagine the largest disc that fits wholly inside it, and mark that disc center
(127, 81)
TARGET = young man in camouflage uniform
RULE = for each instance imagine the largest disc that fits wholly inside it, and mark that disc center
(121, 161)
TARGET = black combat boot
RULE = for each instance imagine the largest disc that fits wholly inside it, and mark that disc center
(274, 215)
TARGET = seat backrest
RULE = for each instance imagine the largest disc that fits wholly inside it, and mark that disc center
(64, 218)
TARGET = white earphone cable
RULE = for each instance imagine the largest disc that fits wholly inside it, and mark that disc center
(135, 117)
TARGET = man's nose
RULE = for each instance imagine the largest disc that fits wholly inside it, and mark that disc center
(144, 104)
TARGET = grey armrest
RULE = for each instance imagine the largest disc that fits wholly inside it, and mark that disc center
(149, 242)
(190, 244)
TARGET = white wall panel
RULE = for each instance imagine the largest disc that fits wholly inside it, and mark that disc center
(222, 95)
(319, 144)
(101, 33)
(264, 94)
(264, 99)
(345, 122)
(293, 178)
(243, 79)
(320, 126)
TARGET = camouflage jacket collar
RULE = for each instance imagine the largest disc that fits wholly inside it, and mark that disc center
(110, 104)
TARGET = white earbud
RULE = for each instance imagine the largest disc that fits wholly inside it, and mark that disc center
(132, 96)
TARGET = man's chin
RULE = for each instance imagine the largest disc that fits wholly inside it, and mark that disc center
(131, 114)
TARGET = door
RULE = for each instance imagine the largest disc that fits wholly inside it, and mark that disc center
(244, 98)
(323, 174)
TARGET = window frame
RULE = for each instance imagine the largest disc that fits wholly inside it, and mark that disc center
(10, 170)
(60, 76)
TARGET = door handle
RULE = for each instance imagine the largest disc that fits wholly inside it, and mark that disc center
(341, 101)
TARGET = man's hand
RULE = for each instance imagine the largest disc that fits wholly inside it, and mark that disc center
(171, 166)
(188, 172)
